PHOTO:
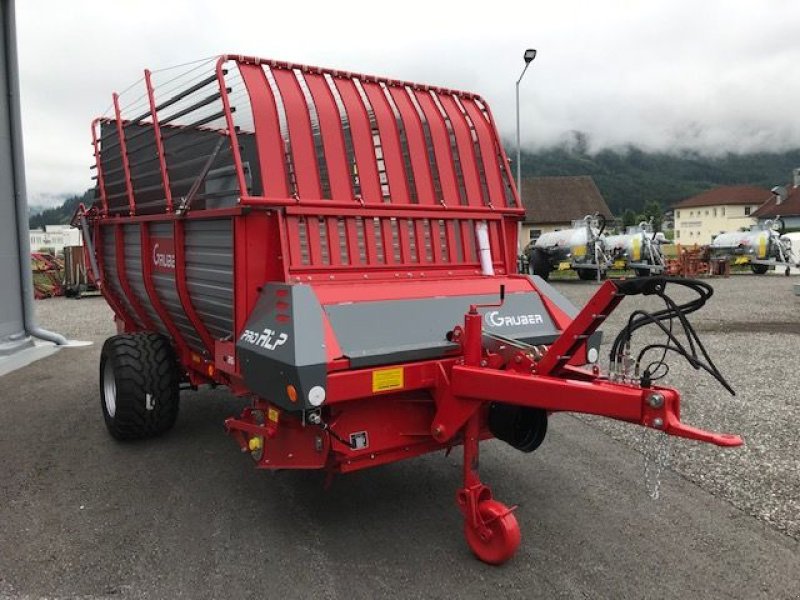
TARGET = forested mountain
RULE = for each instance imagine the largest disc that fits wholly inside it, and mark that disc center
(629, 178)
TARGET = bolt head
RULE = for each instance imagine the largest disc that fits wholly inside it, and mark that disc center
(658, 422)
(655, 400)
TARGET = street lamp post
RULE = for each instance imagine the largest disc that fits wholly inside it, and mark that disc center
(528, 57)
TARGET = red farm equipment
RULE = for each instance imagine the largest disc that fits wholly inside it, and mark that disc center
(340, 250)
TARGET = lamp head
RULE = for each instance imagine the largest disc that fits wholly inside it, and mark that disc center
(529, 55)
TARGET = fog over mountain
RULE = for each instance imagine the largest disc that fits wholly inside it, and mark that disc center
(668, 75)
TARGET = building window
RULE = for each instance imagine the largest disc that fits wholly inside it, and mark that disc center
(691, 213)
(746, 210)
(677, 234)
(706, 212)
(534, 234)
(690, 234)
(723, 211)
(715, 212)
(677, 214)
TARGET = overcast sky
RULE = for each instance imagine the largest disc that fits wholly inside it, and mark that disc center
(713, 76)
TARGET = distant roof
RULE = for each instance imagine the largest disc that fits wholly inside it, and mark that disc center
(727, 194)
(788, 208)
(561, 199)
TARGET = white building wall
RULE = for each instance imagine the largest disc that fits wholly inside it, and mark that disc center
(699, 225)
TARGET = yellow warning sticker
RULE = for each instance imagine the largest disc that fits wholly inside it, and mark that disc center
(387, 379)
(272, 415)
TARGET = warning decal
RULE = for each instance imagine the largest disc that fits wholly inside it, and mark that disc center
(387, 379)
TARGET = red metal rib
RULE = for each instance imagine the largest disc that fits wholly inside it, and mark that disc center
(162, 161)
(441, 146)
(269, 140)
(330, 124)
(362, 139)
(99, 164)
(489, 152)
(416, 146)
(123, 154)
(302, 139)
(390, 143)
(466, 151)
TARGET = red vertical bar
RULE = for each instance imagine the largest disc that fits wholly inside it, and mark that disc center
(417, 147)
(293, 235)
(299, 123)
(122, 274)
(330, 125)
(269, 140)
(150, 287)
(404, 240)
(420, 227)
(452, 244)
(351, 231)
(162, 161)
(314, 241)
(99, 165)
(388, 241)
(334, 240)
(504, 165)
(488, 144)
(179, 236)
(123, 153)
(466, 150)
(441, 146)
(370, 244)
(436, 241)
(390, 143)
(235, 152)
(361, 133)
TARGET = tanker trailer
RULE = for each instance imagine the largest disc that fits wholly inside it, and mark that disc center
(764, 246)
(581, 248)
(639, 248)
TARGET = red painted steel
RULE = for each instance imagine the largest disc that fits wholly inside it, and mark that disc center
(162, 160)
(400, 224)
(123, 153)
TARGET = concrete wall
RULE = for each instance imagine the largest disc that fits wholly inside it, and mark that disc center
(699, 225)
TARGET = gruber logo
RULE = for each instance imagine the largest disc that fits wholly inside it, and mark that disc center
(163, 255)
(495, 319)
(268, 339)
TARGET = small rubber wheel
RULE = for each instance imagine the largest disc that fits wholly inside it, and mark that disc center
(759, 269)
(642, 272)
(139, 385)
(505, 535)
(588, 274)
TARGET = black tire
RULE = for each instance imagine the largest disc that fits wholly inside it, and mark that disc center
(539, 264)
(587, 274)
(139, 385)
(759, 269)
(642, 272)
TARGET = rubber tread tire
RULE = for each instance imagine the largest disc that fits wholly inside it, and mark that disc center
(539, 264)
(143, 363)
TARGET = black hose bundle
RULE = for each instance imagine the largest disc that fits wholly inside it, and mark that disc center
(696, 354)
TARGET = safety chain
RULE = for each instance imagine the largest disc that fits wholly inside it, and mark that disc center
(656, 460)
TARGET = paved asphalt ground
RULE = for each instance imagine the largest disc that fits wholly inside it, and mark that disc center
(187, 516)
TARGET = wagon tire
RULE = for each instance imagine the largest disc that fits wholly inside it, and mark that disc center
(759, 269)
(539, 264)
(642, 272)
(139, 385)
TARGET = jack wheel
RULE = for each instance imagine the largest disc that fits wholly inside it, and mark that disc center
(503, 532)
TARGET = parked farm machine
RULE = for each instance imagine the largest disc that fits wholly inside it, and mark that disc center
(585, 249)
(763, 247)
(340, 250)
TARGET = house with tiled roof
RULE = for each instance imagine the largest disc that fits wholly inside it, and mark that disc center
(784, 203)
(552, 203)
(725, 208)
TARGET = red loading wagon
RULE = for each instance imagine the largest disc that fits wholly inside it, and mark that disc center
(340, 249)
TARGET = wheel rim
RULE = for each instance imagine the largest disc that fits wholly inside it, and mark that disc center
(109, 389)
(505, 535)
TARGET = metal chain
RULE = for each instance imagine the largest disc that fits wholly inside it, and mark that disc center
(656, 460)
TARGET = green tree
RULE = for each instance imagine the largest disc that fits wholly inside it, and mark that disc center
(629, 218)
(652, 210)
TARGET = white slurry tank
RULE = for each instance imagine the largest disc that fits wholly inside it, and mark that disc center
(581, 248)
(639, 248)
(765, 246)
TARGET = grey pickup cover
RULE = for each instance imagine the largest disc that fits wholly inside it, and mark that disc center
(384, 332)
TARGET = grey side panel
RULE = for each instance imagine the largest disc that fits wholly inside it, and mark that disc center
(374, 333)
(209, 273)
(110, 275)
(283, 344)
(553, 294)
(164, 283)
(133, 270)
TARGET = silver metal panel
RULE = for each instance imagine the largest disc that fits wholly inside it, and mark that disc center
(110, 275)
(209, 273)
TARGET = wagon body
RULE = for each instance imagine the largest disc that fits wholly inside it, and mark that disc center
(340, 249)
